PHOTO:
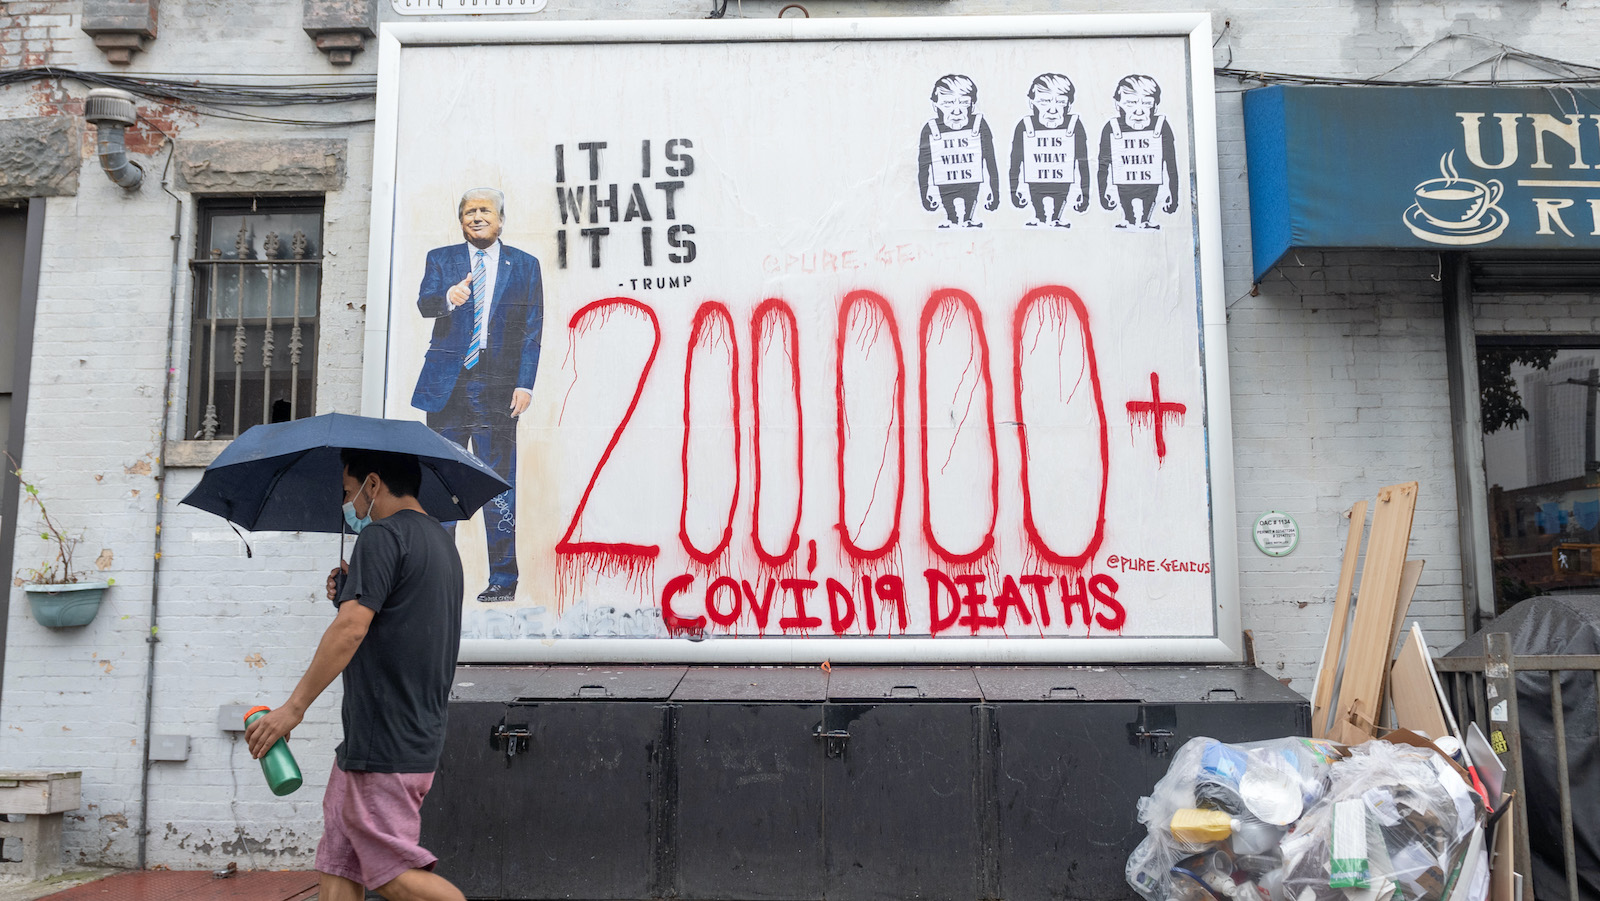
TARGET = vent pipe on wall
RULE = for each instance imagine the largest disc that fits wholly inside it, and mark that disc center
(112, 111)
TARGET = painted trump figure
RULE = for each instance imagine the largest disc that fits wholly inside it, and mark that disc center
(486, 301)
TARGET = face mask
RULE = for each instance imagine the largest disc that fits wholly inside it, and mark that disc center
(357, 523)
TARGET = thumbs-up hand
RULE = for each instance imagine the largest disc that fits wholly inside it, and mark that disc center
(460, 292)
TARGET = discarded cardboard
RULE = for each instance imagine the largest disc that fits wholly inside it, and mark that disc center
(1411, 691)
(1502, 860)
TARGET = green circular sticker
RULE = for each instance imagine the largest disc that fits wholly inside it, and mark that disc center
(1277, 534)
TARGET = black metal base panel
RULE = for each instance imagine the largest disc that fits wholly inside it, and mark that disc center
(794, 784)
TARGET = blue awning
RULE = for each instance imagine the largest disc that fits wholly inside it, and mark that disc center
(1438, 168)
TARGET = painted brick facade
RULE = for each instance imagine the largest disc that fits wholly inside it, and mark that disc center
(1337, 367)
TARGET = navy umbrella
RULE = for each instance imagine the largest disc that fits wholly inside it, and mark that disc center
(286, 476)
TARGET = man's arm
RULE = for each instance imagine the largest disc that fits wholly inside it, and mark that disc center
(1017, 151)
(1169, 153)
(338, 645)
(986, 141)
(1106, 200)
(925, 167)
(433, 300)
(1080, 159)
(532, 335)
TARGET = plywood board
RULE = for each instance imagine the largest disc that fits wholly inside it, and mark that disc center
(1416, 706)
(1410, 576)
(1360, 697)
(1328, 669)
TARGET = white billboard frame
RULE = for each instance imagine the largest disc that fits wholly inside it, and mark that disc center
(1224, 646)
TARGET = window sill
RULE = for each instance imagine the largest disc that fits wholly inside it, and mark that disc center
(192, 454)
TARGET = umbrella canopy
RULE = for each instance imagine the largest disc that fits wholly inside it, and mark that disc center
(286, 476)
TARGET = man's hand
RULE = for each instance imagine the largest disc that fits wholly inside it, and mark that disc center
(1017, 200)
(269, 727)
(333, 579)
(460, 292)
(520, 398)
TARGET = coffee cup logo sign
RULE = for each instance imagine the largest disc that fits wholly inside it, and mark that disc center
(1277, 534)
(1456, 210)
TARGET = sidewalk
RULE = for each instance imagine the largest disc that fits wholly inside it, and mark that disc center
(166, 885)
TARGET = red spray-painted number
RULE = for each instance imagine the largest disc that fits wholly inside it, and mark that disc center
(773, 330)
(973, 387)
(711, 335)
(603, 310)
(1077, 385)
(870, 320)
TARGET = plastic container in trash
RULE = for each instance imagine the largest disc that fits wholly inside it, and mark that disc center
(278, 765)
(1199, 827)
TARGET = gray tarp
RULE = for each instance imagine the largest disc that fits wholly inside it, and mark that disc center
(1556, 624)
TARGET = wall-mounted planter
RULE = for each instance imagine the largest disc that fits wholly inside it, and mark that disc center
(68, 604)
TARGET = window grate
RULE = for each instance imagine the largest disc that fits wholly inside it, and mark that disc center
(242, 373)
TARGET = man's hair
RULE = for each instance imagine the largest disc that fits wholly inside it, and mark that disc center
(955, 84)
(400, 473)
(1138, 84)
(1054, 83)
(493, 194)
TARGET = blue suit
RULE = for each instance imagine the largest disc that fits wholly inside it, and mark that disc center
(474, 404)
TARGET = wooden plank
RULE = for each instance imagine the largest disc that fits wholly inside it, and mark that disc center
(1410, 575)
(1360, 700)
(1328, 669)
(1416, 705)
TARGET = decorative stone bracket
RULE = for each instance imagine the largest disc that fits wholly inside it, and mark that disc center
(340, 28)
(120, 28)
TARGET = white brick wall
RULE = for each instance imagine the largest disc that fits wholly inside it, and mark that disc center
(1337, 366)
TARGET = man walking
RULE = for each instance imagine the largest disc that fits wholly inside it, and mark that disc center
(395, 640)
(486, 301)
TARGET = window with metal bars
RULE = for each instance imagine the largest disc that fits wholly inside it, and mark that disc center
(257, 277)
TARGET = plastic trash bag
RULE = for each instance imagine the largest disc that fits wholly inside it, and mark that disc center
(1291, 819)
(1232, 805)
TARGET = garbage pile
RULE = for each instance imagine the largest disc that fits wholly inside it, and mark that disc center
(1300, 819)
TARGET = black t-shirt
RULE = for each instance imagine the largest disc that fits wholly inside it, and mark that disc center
(405, 569)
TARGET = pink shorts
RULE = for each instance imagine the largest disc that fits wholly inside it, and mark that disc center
(371, 823)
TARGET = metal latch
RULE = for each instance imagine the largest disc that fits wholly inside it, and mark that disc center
(510, 737)
(833, 740)
(1153, 729)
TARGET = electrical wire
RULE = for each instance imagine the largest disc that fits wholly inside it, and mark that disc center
(222, 100)
(1559, 72)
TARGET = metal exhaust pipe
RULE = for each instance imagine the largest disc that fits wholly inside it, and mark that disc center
(112, 111)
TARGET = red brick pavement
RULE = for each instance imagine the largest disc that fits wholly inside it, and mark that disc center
(184, 885)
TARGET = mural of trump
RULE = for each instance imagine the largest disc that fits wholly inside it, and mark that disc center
(486, 301)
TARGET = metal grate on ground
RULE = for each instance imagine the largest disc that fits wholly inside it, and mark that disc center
(184, 885)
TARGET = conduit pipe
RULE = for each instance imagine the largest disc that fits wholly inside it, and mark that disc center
(112, 111)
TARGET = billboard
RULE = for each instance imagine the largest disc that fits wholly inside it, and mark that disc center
(888, 339)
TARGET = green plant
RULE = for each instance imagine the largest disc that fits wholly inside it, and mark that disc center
(48, 572)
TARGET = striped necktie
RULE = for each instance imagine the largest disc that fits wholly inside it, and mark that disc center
(480, 306)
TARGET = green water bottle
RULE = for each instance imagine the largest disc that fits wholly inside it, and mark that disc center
(283, 774)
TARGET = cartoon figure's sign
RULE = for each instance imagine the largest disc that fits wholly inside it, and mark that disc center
(756, 374)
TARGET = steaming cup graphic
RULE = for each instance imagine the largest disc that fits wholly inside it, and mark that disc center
(1457, 204)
